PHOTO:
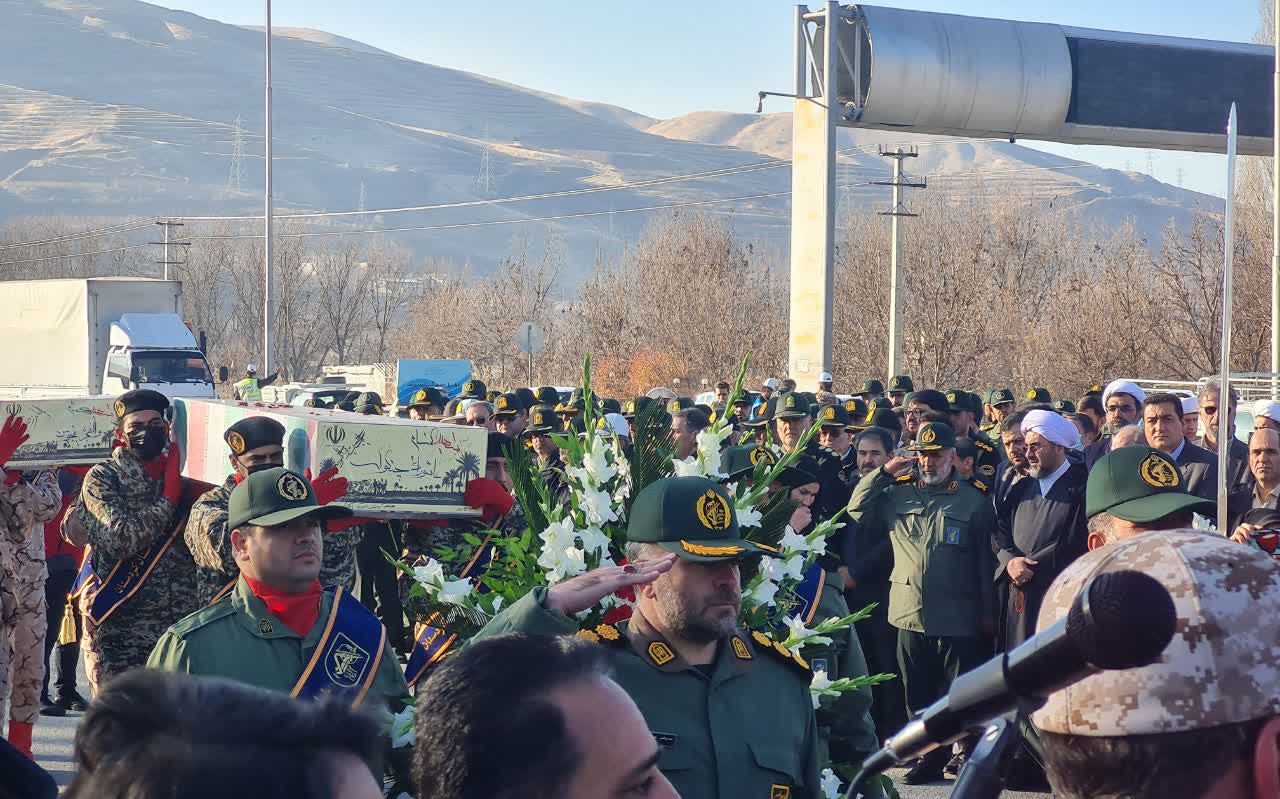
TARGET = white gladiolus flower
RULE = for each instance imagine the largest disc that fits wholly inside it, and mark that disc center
(794, 542)
(431, 575)
(749, 517)
(763, 593)
(797, 629)
(596, 463)
(598, 507)
(455, 592)
(689, 467)
(817, 685)
(594, 541)
(794, 567)
(830, 784)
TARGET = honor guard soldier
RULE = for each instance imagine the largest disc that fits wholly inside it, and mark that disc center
(941, 596)
(427, 403)
(474, 389)
(965, 409)
(132, 511)
(278, 628)
(754, 732)
(899, 387)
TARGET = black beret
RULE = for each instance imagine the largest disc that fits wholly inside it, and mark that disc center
(253, 432)
(140, 399)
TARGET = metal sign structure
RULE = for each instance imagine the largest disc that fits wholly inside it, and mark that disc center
(929, 73)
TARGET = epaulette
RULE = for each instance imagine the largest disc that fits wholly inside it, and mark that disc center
(767, 643)
(828, 451)
(981, 485)
(204, 617)
(905, 478)
(982, 445)
(603, 634)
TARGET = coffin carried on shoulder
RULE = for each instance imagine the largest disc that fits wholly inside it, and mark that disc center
(62, 431)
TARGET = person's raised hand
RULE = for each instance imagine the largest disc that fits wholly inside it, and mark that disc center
(12, 435)
(586, 590)
(899, 465)
(800, 518)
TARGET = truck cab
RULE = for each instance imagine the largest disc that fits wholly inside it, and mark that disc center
(155, 351)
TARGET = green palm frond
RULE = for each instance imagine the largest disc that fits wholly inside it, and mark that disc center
(651, 447)
(530, 489)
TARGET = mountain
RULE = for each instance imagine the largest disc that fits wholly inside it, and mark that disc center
(120, 109)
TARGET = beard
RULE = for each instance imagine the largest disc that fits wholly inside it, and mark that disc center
(695, 624)
(937, 479)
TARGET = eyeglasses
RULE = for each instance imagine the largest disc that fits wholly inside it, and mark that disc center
(477, 422)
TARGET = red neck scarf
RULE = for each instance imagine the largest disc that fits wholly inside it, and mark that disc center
(298, 611)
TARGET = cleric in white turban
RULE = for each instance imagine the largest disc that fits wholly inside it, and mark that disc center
(1053, 427)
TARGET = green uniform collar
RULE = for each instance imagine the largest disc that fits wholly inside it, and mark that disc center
(252, 614)
(734, 654)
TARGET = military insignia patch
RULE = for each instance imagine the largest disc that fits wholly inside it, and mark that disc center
(761, 455)
(421, 396)
(539, 419)
(928, 435)
(1158, 472)
(982, 445)
(469, 387)
(713, 511)
(779, 791)
(660, 653)
(951, 396)
(894, 383)
(502, 403)
(608, 632)
(1031, 394)
(850, 406)
(346, 663)
(265, 627)
(981, 486)
(951, 535)
(236, 442)
(629, 409)
(119, 408)
(790, 401)
(987, 469)
(291, 487)
(954, 485)
(740, 650)
(673, 406)
(828, 412)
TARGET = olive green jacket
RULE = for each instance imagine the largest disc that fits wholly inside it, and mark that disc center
(747, 731)
(238, 638)
(940, 584)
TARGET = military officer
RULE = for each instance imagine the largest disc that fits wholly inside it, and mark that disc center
(279, 629)
(835, 433)
(871, 389)
(964, 408)
(941, 593)
(132, 510)
(427, 403)
(257, 444)
(999, 404)
(1039, 396)
(510, 414)
(474, 389)
(754, 732)
(899, 387)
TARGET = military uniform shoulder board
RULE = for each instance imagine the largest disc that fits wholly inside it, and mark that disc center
(602, 634)
(905, 478)
(982, 445)
(981, 485)
(768, 644)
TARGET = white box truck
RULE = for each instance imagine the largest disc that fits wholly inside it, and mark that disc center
(85, 337)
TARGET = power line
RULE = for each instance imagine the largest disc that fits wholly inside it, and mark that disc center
(74, 255)
(123, 227)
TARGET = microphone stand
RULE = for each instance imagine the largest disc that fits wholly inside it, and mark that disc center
(980, 778)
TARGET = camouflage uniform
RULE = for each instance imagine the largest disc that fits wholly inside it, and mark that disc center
(209, 540)
(1220, 667)
(125, 514)
(25, 507)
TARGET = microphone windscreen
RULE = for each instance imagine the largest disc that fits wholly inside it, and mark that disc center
(1122, 620)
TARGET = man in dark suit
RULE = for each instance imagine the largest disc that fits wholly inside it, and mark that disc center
(1122, 400)
(1162, 422)
(1237, 451)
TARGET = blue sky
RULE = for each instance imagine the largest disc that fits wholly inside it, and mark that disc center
(664, 58)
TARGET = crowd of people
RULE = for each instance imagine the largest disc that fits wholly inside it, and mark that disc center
(970, 522)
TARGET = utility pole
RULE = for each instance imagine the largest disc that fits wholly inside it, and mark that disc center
(1275, 205)
(167, 243)
(267, 315)
(363, 197)
(897, 213)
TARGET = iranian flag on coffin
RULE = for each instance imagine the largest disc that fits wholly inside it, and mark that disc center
(395, 468)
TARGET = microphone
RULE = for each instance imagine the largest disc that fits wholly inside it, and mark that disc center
(1120, 620)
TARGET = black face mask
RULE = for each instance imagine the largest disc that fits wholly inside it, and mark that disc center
(148, 442)
(261, 467)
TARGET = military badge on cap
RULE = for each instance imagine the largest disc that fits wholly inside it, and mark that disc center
(761, 455)
(1156, 472)
(828, 412)
(420, 396)
(713, 511)
(1031, 395)
(292, 487)
(894, 383)
(503, 404)
(928, 435)
(674, 406)
(119, 409)
(850, 406)
(236, 442)
(790, 401)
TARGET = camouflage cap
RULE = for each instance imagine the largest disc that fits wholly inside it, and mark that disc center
(1222, 665)
(901, 384)
(692, 517)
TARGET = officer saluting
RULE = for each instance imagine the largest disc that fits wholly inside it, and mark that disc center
(730, 709)
(278, 628)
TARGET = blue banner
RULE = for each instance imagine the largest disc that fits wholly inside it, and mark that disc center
(347, 657)
(414, 373)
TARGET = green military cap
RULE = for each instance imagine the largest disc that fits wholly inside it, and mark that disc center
(742, 460)
(745, 398)
(368, 409)
(492, 395)
(855, 407)
(368, 398)
(834, 416)
(1094, 391)
(345, 405)
(956, 400)
(542, 421)
(1139, 484)
(508, 404)
(273, 497)
(253, 432)
(1038, 394)
(634, 406)
(678, 404)
(933, 437)
(999, 396)
(760, 417)
(426, 397)
(880, 417)
(548, 396)
(692, 517)
(527, 398)
(791, 406)
(901, 384)
(1064, 406)
(610, 405)
(872, 387)
(474, 389)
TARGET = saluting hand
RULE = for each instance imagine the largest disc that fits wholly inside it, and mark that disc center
(899, 465)
(586, 590)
